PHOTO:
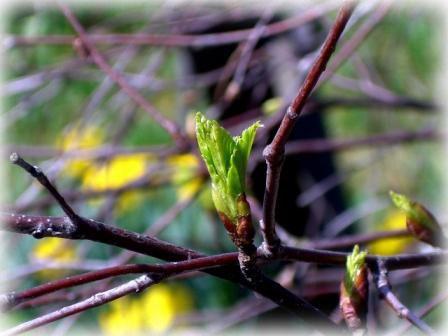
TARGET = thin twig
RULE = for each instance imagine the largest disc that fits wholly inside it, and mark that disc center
(314, 146)
(143, 182)
(96, 300)
(422, 312)
(83, 228)
(245, 50)
(351, 240)
(120, 80)
(146, 245)
(274, 152)
(9, 300)
(350, 46)
(36, 172)
(386, 139)
(292, 147)
(182, 40)
(385, 291)
(400, 103)
(158, 226)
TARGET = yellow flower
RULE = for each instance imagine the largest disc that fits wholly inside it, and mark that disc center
(116, 173)
(55, 250)
(185, 176)
(77, 138)
(153, 311)
(395, 219)
(123, 317)
(272, 105)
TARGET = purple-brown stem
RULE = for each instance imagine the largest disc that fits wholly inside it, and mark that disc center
(274, 152)
(182, 40)
(146, 245)
(9, 300)
(385, 291)
(120, 80)
(350, 46)
(83, 228)
(98, 299)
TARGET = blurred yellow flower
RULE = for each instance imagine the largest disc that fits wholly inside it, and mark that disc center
(116, 173)
(185, 175)
(53, 250)
(272, 105)
(394, 220)
(77, 138)
(152, 311)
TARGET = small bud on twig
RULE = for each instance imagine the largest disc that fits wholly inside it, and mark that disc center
(419, 221)
(226, 159)
(354, 290)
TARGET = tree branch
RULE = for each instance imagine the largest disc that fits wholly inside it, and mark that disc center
(349, 47)
(120, 80)
(150, 246)
(38, 175)
(311, 146)
(385, 292)
(362, 238)
(83, 228)
(274, 152)
(183, 40)
(12, 299)
(96, 300)
(422, 312)
(386, 139)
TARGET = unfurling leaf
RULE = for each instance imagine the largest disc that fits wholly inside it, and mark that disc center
(419, 221)
(354, 290)
(226, 159)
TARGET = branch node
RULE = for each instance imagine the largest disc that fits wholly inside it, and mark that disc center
(14, 157)
(81, 49)
(273, 156)
(37, 173)
(6, 301)
(38, 233)
(291, 114)
(268, 250)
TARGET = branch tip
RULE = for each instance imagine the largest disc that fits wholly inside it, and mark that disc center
(14, 158)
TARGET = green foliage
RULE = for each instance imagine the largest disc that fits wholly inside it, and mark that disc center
(226, 160)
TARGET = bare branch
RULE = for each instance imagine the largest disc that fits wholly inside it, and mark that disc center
(350, 46)
(12, 299)
(386, 139)
(146, 245)
(118, 78)
(96, 300)
(204, 40)
(83, 228)
(36, 172)
(385, 292)
(274, 153)
(351, 240)
(426, 309)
